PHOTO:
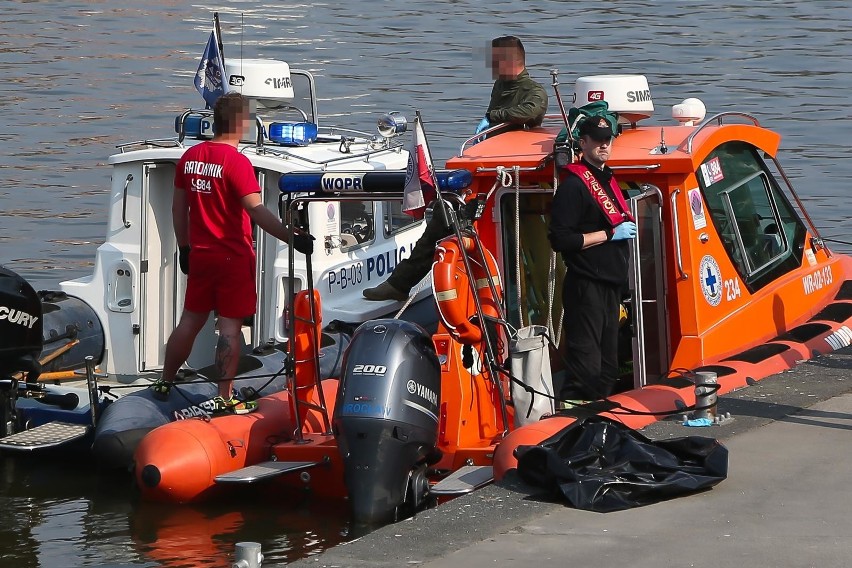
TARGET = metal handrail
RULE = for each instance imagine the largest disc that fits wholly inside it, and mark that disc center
(481, 134)
(124, 220)
(678, 254)
(272, 150)
(718, 120)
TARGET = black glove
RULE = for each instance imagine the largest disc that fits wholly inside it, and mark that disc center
(304, 243)
(183, 259)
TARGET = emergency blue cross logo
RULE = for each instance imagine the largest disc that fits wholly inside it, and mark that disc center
(711, 280)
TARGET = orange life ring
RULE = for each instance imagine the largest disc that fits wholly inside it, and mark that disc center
(453, 294)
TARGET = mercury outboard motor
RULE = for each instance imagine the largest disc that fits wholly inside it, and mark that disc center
(20, 342)
(20, 325)
(386, 417)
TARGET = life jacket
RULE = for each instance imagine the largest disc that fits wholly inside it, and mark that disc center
(616, 211)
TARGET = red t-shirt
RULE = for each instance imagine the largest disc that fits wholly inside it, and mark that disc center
(215, 178)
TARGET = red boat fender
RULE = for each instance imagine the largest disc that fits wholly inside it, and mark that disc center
(451, 284)
(308, 331)
(178, 462)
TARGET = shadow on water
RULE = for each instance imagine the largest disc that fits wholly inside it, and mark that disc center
(62, 513)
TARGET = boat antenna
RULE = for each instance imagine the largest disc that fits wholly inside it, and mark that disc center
(563, 153)
(554, 73)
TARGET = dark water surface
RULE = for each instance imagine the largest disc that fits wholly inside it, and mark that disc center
(78, 78)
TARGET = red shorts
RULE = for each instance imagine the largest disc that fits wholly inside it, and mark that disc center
(224, 283)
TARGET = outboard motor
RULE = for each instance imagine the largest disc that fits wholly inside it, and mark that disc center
(20, 325)
(386, 417)
(20, 341)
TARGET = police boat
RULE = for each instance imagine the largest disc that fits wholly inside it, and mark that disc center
(80, 372)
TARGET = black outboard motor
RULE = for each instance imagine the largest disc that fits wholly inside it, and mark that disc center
(386, 417)
(20, 342)
(20, 325)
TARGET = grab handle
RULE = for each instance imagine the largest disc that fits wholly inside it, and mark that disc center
(127, 181)
(675, 223)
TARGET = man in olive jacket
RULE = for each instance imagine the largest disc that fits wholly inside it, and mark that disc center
(516, 100)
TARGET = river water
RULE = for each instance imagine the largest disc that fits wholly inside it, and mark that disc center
(79, 77)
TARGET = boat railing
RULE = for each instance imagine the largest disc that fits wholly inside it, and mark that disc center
(483, 134)
(718, 121)
(345, 150)
(312, 92)
(294, 202)
(148, 144)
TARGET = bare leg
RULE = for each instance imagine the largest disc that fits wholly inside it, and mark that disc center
(228, 354)
(180, 342)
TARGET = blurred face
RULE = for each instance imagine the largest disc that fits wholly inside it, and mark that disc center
(244, 121)
(596, 152)
(504, 62)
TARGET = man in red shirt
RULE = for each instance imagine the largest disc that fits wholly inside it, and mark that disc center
(216, 197)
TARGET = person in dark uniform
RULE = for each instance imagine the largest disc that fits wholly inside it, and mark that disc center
(590, 226)
(516, 100)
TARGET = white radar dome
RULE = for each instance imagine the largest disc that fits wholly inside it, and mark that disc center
(265, 80)
(689, 112)
(627, 95)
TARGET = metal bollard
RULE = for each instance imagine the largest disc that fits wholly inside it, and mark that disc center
(248, 555)
(705, 394)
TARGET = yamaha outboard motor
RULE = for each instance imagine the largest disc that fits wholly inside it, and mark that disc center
(386, 417)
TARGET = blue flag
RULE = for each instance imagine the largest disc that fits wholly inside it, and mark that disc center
(209, 79)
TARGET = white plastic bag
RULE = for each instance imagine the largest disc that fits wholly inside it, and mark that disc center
(530, 363)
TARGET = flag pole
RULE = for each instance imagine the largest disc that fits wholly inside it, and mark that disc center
(219, 36)
(444, 213)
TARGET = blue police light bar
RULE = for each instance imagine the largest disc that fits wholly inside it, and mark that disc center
(370, 182)
(293, 133)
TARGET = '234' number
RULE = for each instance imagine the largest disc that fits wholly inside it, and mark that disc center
(732, 289)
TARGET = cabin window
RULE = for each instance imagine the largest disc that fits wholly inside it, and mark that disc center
(356, 224)
(759, 229)
(395, 220)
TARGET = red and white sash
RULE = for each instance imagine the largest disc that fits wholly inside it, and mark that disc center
(616, 214)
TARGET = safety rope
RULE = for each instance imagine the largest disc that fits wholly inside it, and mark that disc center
(517, 186)
(411, 297)
(551, 281)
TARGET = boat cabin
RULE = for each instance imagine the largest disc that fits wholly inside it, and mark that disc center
(726, 258)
